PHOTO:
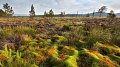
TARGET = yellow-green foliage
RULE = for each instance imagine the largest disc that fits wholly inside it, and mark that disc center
(19, 30)
(52, 51)
(70, 51)
(26, 39)
(34, 65)
(45, 42)
(73, 43)
(7, 53)
(115, 58)
(24, 30)
(53, 55)
(93, 55)
(107, 48)
(90, 54)
(33, 42)
(34, 53)
(71, 60)
(96, 59)
(67, 50)
(4, 32)
(18, 55)
(59, 39)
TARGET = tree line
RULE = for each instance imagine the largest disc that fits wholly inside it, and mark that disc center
(9, 11)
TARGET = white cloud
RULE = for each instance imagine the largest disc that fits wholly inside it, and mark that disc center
(70, 6)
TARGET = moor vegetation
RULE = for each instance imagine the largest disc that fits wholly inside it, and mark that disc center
(59, 42)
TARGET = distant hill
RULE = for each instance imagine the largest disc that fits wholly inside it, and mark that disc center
(73, 15)
(117, 14)
(20, 15)
(90, 14)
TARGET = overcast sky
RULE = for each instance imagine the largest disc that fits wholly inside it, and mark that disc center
(69, 6)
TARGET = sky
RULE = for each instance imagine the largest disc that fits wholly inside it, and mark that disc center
(69, 6)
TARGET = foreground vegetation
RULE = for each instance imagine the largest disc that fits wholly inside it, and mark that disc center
(59, 42)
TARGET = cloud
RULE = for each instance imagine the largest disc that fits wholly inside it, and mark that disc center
(111, 4)
(70, 6)
(66, 1)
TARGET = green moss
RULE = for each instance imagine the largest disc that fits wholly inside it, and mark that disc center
(71, 62)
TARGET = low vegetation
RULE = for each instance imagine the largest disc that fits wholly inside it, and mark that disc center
(60, 42)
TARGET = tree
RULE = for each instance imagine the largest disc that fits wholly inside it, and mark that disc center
(32, 11)
(51, 13)
(62, 14)
(93, 13)
(88, 15)
(111, 14)
(102, 9)
(46, 14)
(8, 9)
(5, 7)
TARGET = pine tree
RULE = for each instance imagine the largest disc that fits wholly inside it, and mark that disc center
(8, 9)
(51, 13)
(45, 14)
(32, 11)
(62, 14)
(88, 15)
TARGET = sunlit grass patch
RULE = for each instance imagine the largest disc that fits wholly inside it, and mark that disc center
(25, 30)
(6, 32)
